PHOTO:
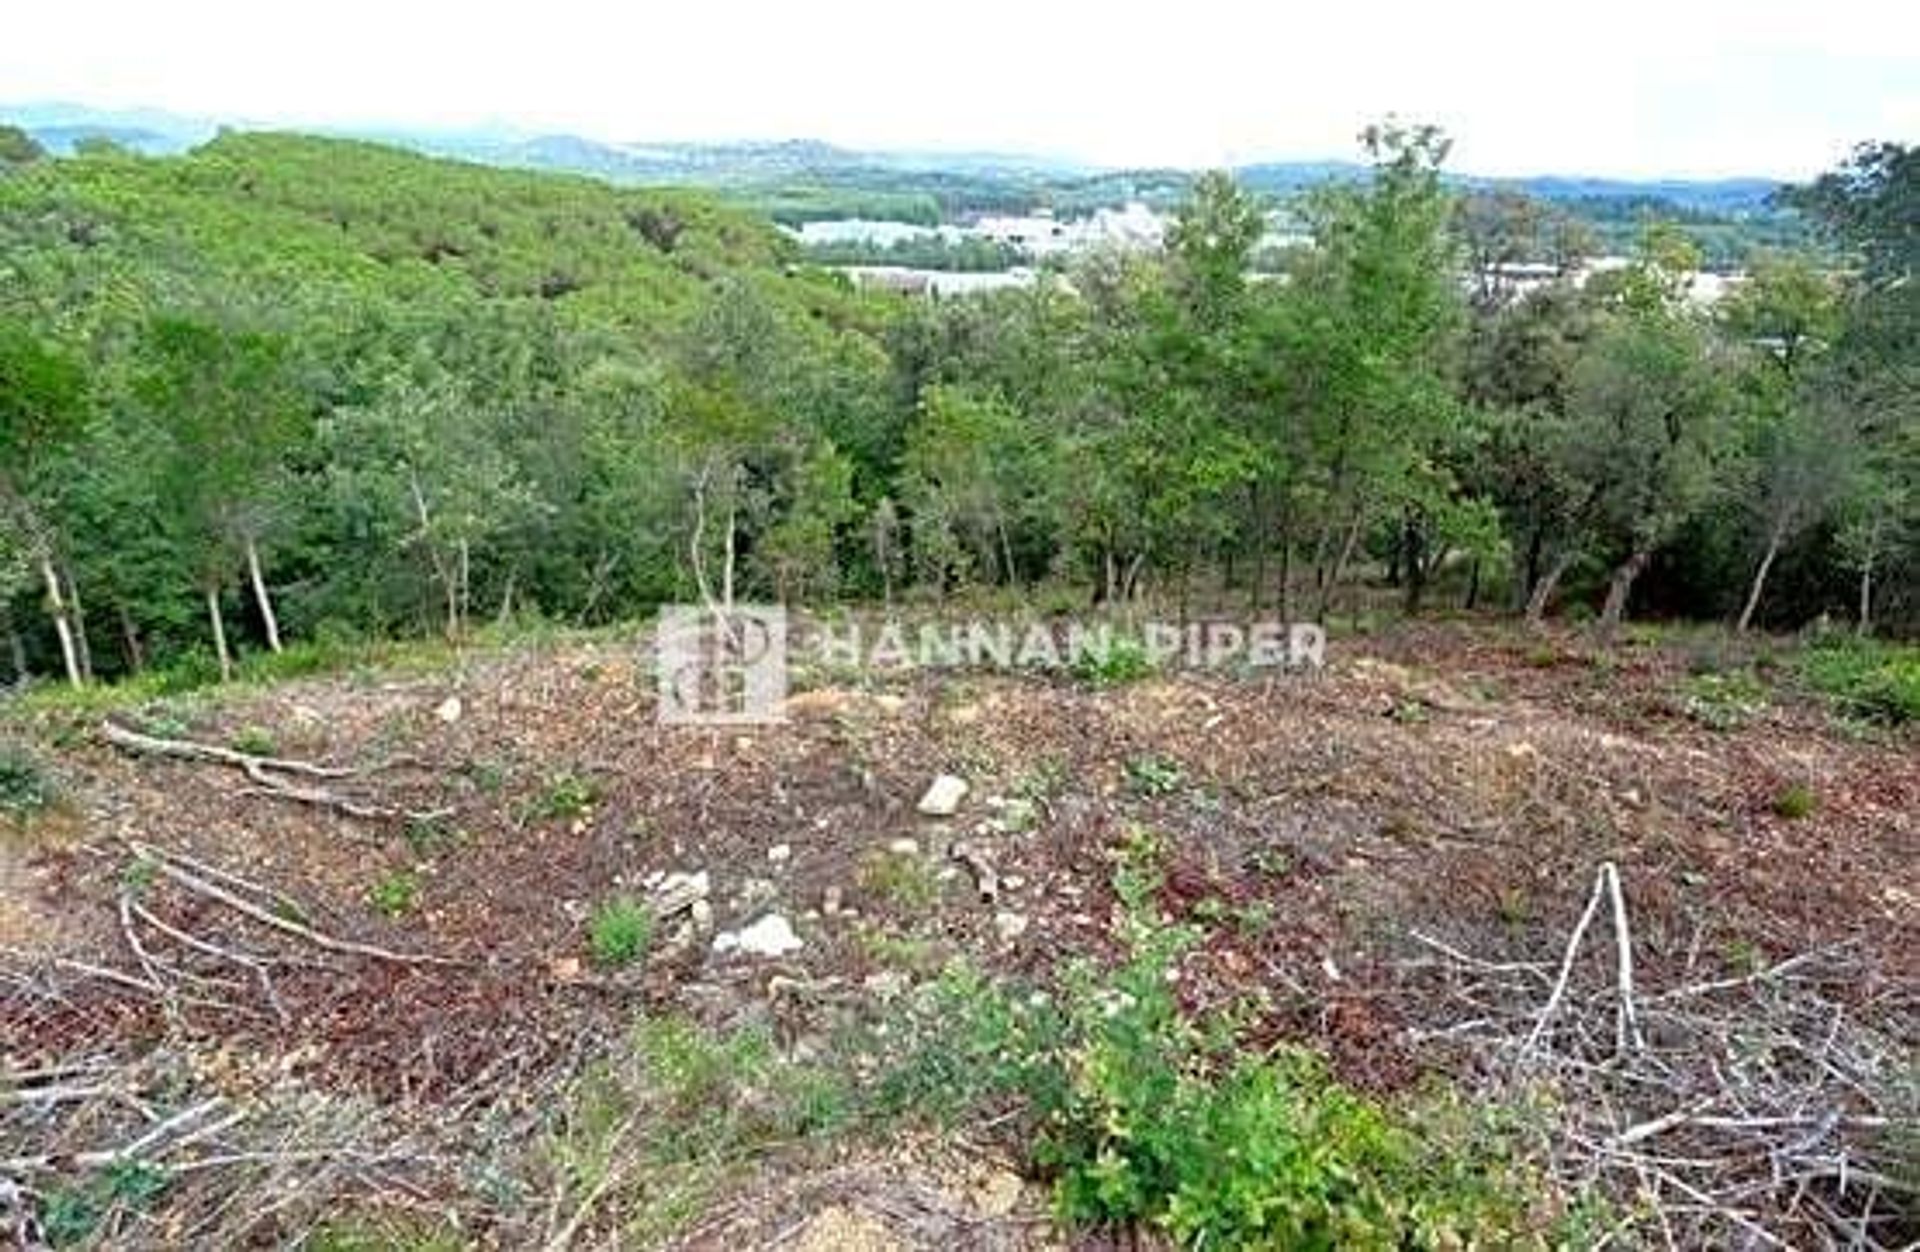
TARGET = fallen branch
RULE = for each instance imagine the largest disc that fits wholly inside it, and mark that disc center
(164, 864)
(1559, 991)
(191, 750)
(262, 770)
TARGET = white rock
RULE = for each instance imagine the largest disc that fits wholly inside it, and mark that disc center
(1009, 926)
(772, 935)
(450, 710)
(904, 847)
(779, 852)
(943, 796)
(885, 985)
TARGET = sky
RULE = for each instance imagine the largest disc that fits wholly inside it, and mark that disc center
(1693, 88)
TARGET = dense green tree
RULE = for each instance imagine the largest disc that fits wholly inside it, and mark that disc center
(43, 407)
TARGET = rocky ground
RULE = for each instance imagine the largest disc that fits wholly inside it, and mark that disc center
(359, 936)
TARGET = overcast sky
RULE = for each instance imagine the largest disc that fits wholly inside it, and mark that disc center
(1633, 87)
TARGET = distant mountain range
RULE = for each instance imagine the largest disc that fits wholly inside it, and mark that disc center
(776, 174)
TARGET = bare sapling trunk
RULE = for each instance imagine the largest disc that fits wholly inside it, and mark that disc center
(1863, 625)
(1339, 571)
(62, 623)
(1542, 593)
(441, 574)
(1774, 538)
(219, 634)
(1619, 588)
(261, 597)
(17, 650)
(82, 644)
(466, 583)
(505, 614)
(130, 641)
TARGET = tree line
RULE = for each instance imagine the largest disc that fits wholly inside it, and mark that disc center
(289, 388)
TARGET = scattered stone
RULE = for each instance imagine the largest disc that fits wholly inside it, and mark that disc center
(943, 796)
(450, 709)
(903, 847)
(832, 900)
(678, 892)
(565, 969)
(779, 853)
(754, 891)
(772, 935)
(1009, 926)
(700, 913)
(976, 860)
(888, 984)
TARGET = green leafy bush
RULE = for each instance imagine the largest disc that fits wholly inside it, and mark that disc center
(1153, 776)
(25, 786)
(254, 741)
(1795, 802)
(1723, 700)
(1146, 1116)
(396, 894)
(1124, 660)
(1879, 682)
(565, 796)
(620, 931)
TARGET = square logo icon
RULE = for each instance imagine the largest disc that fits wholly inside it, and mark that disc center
(721, 667)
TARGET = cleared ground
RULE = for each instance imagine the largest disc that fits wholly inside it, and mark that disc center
(382, 983)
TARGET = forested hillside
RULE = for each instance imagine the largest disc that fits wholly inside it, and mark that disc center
(286, 387)
(407, 388)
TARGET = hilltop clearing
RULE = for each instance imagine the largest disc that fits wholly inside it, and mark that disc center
(479, 950)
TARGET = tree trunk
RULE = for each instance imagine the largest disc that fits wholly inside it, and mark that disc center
(219, 635)
(1413, 560)
(466, 583)
(17, 649)
(1332, 584)
(130, 640)
(1863, 625)
(1530, 575)
(1286, 577)
(1759, 580)
(506, 603)
(62, 624)
(1618, 589)
(260, 595)
(1473, 586)
(82, 644)
(1542, 593)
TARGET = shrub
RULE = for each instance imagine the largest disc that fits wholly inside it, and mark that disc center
(1876, 681)
(566, 795)
(1153, 776)
(396, 894)
(1723, 700)
(1146, 1116)
(1795, 802)
(619, 931)
(1125, 660)
(254, 741)
(25, 786)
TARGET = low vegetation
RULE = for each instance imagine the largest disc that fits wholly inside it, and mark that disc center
(619, 932)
